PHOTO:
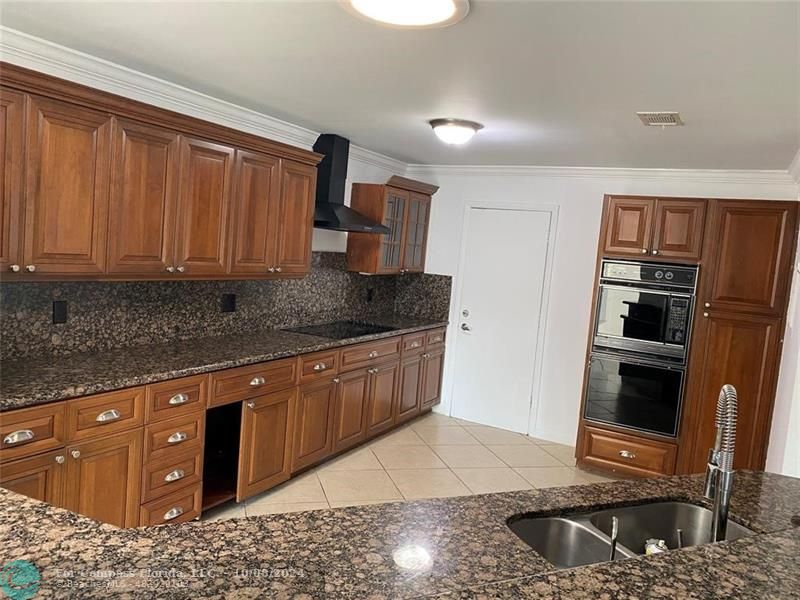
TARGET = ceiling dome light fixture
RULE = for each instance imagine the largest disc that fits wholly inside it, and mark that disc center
(410, 13)
(455, 131)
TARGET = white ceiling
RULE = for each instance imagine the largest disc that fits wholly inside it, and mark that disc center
(555, 83)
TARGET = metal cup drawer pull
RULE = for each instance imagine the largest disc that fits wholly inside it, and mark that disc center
(259, 380)
(108, 415)
(177, 437)
(320, 366)
(172, 513)
(438, 338)
(627, 454)
(373, 354)
(174, 475)
(178, 399)
(416, 345)
(18, 437)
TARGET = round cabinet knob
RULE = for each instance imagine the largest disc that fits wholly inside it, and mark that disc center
(278, 269)
(251, 405)
(30, 268)
(60, 459)
(644, 250)
(705, 315)
(655, 252)
(181, 269)
(271, 269)
(170, 269)
(76, 453)
(707, 304)
(14, 268)
(336, 380)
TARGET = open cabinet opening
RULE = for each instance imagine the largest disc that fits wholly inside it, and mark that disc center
(221, 459)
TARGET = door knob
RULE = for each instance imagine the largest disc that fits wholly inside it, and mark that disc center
(251, 405)
(707, 304)
(181, 269)
(655, 252)
(14, 268)
(465, 327)
(644, 250)
(170, 269)
(465, 313)
(30, 268)
(76, 453)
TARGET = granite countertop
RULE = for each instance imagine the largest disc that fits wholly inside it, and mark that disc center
(462, 546)
(30, 382)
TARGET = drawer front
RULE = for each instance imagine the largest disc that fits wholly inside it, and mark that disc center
(32, 430)
(319, 365)
(435, 339)
(414, 344)
(628, 454)
(99, 415)
(180, 506)
(175, 398)
(364, 355)
(174, 437)
(165, 476)
(233, 385)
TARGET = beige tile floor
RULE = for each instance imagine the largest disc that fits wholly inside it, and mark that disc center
(434, 456)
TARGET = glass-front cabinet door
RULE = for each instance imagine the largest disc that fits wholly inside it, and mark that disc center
(392, 242)
(415, 234)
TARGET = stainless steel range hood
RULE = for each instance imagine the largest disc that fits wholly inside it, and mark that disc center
(330, 211)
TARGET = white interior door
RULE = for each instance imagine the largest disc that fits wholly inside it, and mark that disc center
(503, 269)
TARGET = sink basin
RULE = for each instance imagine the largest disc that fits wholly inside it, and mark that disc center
(661, 520)
(566, 543)
(582, 539)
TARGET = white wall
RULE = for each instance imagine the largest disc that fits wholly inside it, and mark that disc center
(579, 194)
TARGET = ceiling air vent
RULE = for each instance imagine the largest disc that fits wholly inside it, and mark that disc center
(660, 119)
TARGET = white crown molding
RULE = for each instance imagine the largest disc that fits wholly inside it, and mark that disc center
(59, 61)
(794, 168)
(776, 177)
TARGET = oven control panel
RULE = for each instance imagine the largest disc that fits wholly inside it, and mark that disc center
(678, 320)
(663, 274)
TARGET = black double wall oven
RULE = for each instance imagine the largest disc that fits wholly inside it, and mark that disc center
(637, 364)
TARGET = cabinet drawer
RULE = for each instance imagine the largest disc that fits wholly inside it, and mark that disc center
(413, 344)
(177, 397)
(435, 339)
(180, 506)
(364, 355)
(162, 477)
(246, 382)
(31, 430)
(320, 365)
(174, 437)
(105, 413)
(627, 453)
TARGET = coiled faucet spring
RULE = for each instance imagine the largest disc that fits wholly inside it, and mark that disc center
(719, 471)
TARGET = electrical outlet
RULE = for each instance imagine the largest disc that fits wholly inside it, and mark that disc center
(228, 303)
(59, 311)
(370, 294)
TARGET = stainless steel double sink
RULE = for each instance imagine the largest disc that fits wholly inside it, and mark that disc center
(582, 539)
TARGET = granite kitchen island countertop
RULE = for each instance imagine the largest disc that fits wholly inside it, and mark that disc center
(453, 547)
(28, 382)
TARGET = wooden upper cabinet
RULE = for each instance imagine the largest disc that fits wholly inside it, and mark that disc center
(203, 207)
(12, 114)
(67, 162)
(416, 232)
(739, 349)
(402, 205)
(629, 226)
(103, 478)
(255, 208)
(678, 229)
(141, 221)
(295, 218)
(265, 442)
(749, 257)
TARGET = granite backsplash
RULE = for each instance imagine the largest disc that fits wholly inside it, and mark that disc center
(106, 315)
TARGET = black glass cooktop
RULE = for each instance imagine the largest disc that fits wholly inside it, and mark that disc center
(341, 330)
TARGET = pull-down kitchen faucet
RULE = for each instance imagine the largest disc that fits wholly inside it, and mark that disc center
(719, 470)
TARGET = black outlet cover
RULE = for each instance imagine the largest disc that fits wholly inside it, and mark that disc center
(228, 303)
(370, 294)
(59, 311)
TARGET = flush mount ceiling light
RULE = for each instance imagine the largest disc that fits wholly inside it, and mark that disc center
(410, 13)
(455, 131)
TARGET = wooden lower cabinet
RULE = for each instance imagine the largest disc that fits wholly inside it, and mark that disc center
(627, 454)
(349, 420)
(383, 382)
(431, 392)
(265, 443)
(103, 478)
(313, 431)
(40, 477)
(408, 394)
